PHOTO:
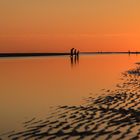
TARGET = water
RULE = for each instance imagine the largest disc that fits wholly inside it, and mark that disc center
(30, 86)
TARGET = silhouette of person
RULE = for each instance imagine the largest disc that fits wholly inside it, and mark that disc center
(71, 51)
(74, 56)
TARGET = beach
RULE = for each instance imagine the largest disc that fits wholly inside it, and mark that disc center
(69, 70)
(112, 114)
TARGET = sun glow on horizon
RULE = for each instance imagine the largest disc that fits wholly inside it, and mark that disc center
(52, 26)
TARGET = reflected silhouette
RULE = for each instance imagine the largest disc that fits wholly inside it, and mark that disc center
(74, 60)
(77, 59)
(71, 59)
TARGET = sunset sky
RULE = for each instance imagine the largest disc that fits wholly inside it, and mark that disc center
(58, 25)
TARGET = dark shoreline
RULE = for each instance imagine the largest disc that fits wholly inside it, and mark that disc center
(31, 54)
(57, 54)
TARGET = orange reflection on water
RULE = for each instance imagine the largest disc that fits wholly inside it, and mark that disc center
(29, 86)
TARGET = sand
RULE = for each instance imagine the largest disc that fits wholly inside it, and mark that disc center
(114, 115)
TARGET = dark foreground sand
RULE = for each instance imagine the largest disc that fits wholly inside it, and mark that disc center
(114, 115)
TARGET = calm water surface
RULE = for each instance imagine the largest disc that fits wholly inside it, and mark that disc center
(30, 86)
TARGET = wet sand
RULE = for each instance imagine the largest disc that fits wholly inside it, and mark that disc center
(114, 115)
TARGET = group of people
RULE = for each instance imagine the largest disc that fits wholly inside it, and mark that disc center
(74, 52)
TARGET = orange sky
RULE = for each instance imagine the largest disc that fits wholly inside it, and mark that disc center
(58, 25)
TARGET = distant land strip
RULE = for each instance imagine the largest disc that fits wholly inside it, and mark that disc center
(57, 54)
(31, 54)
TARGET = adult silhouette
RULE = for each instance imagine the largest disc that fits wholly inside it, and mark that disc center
(72, 51)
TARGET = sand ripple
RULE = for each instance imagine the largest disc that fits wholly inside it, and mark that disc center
(114, 115)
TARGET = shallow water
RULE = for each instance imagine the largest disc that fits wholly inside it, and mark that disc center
(30, 86)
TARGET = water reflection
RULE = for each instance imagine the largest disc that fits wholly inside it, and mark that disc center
(74, 60)
(114, 115)
(30, 86)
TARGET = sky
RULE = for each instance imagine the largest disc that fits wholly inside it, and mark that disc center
(59, 25)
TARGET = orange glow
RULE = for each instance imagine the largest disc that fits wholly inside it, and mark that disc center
(52, 26)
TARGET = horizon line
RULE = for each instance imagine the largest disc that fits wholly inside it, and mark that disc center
(31, 54)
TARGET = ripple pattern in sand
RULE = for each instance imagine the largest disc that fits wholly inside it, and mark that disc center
(114, 115)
